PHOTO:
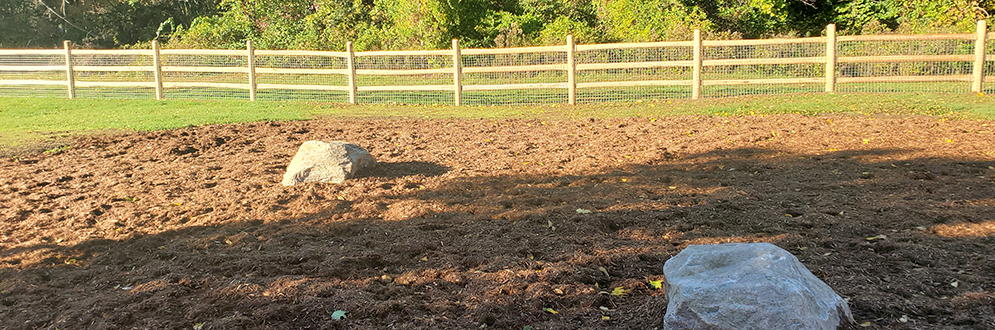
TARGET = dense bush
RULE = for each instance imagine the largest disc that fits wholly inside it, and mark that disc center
(429, 24)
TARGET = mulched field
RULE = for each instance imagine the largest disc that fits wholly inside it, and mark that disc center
(485, 224)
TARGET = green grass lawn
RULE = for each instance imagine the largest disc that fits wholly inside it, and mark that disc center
(28, 122)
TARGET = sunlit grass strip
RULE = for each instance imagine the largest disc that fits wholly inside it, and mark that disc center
(23, 120)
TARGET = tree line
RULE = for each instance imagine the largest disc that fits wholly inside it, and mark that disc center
(431, 24)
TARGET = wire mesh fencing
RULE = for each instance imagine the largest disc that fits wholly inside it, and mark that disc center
(531, 75)
(629, 72)
(34, 73)
(301, 76)
(601, 73)
(205, 74)
(123, 75)
(988, 75)
(735, 69)
(421, 77)
(941, 66)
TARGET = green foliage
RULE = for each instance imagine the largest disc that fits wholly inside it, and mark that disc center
(417, 24)
(854, 16)
(910, 16)
(227, 31)
(431, 24)
(335, 22)
(505, 29)
(651, 20)
(924, 16)
(555, 32)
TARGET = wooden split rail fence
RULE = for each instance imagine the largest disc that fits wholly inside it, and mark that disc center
(570, 50)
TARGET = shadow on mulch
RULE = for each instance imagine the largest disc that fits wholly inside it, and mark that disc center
(402, 169)
(405, 246)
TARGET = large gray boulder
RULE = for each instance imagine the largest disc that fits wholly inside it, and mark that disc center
(747, 286)
(333, 161)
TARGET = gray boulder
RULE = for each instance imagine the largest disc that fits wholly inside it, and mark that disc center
(320, 161)
(747, 286)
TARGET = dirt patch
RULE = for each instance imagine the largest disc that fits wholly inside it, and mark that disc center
(478, 223)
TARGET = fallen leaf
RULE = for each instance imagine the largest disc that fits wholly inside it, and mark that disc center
(583, 211)
(338, 315)
(605, 318)
(882, 236)
(866, 324)
(656, 284)
(903, 319)
(955, 284)
(619, 291)
(549, 310)
(603, 270)
(198, 326)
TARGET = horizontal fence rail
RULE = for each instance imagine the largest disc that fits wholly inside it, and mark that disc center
(569, 73)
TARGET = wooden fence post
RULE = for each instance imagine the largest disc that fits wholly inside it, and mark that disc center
(696, 73)
(978, 79)
(457, 74)
(252, 69)
(831, 58)
(70, 76)
(157, 65)
(571, 70)
(351, 65)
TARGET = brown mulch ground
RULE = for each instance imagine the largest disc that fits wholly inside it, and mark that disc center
(475, 223)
